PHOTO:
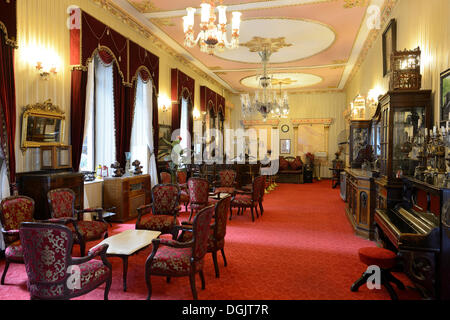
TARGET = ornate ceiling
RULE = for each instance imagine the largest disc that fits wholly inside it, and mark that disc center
(316, 43)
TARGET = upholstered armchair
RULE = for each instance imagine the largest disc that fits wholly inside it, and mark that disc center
(166, 178)
(161, 214)
(226, 183)
(216, 240)
(62, 208)
(198, 194)
(249, 199)
(170, 258)
(14, 211)
(52, 272)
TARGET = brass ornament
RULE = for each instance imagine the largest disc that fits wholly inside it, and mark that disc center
(258, 44)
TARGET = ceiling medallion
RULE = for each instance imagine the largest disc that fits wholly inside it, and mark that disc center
(355, 3)
(258, 44)
(212, 37)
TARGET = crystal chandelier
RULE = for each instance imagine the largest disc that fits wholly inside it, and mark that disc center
(266, 102)
(211, 37)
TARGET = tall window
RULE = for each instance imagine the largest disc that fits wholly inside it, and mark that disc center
(142, 131)
(99, 142)
(184, 123)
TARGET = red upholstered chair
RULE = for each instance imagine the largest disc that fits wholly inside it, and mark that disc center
(198, 194)
(218, 229)
(386, 260)
(248, 199)
(226, 183)
(171, 258)
(161, 214)
(62, 208)
(51, 269)
(166, 178)
(14, 211)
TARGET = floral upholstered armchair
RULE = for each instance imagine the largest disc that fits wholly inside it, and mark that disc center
(249, 199)
(52, 273)
(161, 214)
(226, 183)
(14, 211)
(170, 258)
(198, 194)
(62, 208)
(218, 229)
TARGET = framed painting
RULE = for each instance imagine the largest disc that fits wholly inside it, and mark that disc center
(389, 45)
(445, 97)
(285, 146)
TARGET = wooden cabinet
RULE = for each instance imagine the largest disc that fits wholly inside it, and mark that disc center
(359, 140)
(36, 185)
(126, 194)
(361, 202)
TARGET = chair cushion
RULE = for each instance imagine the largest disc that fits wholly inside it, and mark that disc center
(296, 164)
(163, 223)
(373, 256)
(224, 190)
(174, 261)
(184, 196)
(89, 230)
(14, 252)
(284, 164)
(242, 200)
(92, 274)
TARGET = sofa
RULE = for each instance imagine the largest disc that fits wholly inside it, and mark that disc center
(291, 170)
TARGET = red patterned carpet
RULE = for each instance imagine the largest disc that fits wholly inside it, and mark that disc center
(303, 248)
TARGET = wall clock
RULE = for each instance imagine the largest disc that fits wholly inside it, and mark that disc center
(285, 128)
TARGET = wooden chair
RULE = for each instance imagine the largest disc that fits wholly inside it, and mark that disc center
(198, 194)
(216, 240)
(161, 214)
(226, 183)
(62, 208)
(170, 258)
(248, 199)
(14, 211)
(49, 265)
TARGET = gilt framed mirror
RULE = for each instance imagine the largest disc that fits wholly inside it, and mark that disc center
(42, 125)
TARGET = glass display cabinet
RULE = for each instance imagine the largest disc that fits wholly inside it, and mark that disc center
(359, 140)
(404, 117)
(375, 138)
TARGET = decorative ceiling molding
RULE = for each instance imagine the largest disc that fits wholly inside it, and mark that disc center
(126, 18)
(327, 121)
(287, 81)
(251, 123)
(355, 3)
(371, 38)
(145, 6)
(258, 44)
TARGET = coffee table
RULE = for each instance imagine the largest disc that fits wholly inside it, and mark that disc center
(128, 243)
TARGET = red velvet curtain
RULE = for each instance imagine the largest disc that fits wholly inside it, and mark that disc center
(77, 115)
(123, 116)
(8, 105)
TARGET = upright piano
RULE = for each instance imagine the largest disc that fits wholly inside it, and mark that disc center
(418, 228)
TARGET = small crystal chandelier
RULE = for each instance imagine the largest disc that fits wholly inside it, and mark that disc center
(211, 37)
(266, 102)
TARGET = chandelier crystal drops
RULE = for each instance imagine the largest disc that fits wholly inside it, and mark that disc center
(265, 101)
(212, 37)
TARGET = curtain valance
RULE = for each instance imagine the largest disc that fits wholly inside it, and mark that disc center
(182, 86)
(8, 21)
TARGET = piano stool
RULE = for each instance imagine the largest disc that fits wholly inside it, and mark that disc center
(386, 260)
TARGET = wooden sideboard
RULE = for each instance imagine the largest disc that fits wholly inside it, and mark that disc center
(361, 202)
(126, 194)
(36, 185)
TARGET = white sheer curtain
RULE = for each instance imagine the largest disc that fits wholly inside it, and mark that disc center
(105, 143)
(142, 131)
(184, 124)
(99, 139)
(4, 189)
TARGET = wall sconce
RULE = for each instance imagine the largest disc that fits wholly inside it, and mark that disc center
(46, 61)
(372, 99)
(196, 114)
(164, 103)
